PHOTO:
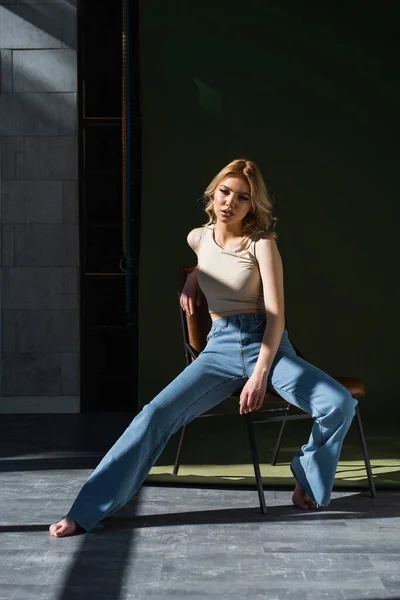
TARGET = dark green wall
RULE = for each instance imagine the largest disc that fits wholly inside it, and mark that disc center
(312, 96)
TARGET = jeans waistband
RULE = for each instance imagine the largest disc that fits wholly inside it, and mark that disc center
(242, 317)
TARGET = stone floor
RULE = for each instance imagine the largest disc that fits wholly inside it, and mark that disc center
(183, 542)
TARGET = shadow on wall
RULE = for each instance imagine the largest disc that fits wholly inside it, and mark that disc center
(29, 108)
(38, 114)
(49, 22)
(28, 78)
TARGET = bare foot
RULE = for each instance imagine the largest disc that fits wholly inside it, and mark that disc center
(63, 528)
(301, 499)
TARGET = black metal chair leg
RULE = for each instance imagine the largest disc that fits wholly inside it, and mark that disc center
(279, 440)
(256, 464)
(178, 454)
(365, 452)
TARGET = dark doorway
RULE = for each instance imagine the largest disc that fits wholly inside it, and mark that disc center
(109, 204)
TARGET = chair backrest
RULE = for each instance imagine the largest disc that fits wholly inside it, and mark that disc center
(196, 327)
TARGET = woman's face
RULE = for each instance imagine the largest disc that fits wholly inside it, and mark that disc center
(232, 200)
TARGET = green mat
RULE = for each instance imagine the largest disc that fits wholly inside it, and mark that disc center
(216, 451)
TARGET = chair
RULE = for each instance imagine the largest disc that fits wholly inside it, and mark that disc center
(195, 329)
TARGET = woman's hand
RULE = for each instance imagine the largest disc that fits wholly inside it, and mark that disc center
(252, 395)
(190, 295)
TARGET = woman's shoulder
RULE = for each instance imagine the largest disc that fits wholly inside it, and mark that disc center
(260, 242)
(194, 237)
(263, 237)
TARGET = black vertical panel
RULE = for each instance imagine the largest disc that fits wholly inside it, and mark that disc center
(135, 174)
(108, 333)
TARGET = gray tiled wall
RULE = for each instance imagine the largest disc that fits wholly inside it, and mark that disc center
(39, 229)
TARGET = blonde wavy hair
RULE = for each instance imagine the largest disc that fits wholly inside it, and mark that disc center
(260, 218)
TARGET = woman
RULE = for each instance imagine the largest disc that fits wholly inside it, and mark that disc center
(240, 273)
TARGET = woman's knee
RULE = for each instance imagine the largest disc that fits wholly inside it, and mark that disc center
(155, 410)
(342, 406)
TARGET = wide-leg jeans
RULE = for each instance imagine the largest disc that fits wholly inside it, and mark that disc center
(225, 364)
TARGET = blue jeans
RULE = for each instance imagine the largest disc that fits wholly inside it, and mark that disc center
(225, 364)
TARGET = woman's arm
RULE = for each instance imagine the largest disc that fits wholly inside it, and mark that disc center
(271, 271)
(190, 293)
(193, 239)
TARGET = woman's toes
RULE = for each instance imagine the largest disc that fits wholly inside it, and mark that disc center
(310, 503)
(59, 531)
(301, 499)
(53, 528)
(300, 504)
(298, 500)
(63, 528)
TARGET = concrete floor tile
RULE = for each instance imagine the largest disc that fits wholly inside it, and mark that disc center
(343, 579)
(366, 594)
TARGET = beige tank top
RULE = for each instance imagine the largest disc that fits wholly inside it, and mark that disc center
(229, 279)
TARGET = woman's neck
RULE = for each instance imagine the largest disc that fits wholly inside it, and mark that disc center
(227, 232)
